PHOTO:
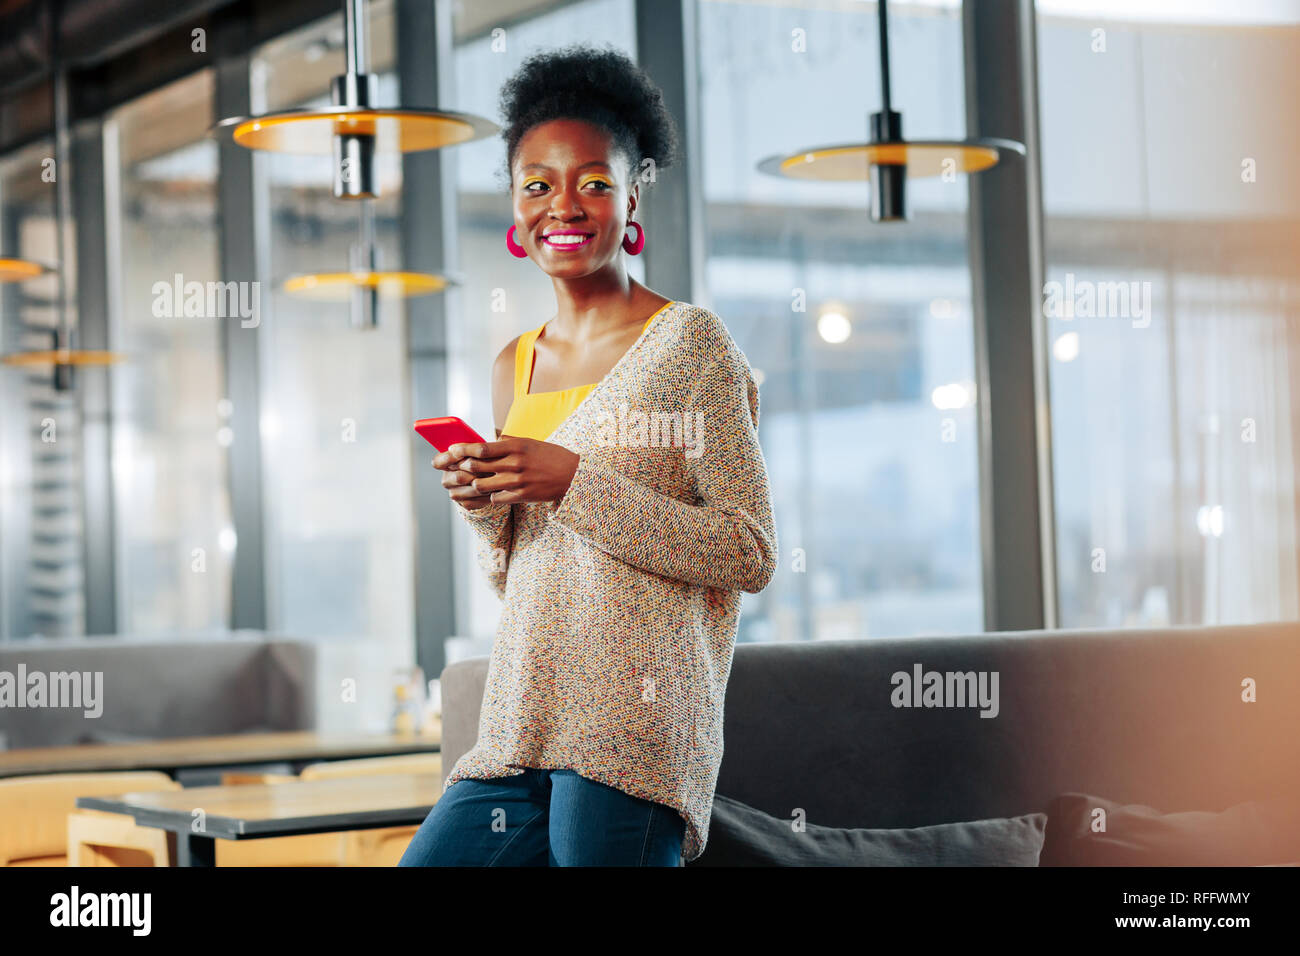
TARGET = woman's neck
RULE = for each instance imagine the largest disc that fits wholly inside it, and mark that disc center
(585, 311)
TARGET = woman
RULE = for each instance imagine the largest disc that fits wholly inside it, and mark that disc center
(619, 514)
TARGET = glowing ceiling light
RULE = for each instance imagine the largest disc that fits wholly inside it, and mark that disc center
(953, 395)
(1209, 521)
(1066, 347)
(834, 327)
(943, 308)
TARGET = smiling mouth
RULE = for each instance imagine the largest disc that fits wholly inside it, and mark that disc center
(569, 241)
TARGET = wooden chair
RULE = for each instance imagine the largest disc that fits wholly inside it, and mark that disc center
(379, 847)
(383, 846)
(40, 824)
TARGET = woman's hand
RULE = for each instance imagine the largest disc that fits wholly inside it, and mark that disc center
(510, 470)
(458, 478)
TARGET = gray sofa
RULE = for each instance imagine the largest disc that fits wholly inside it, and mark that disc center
(164, 687)
(1138, 716)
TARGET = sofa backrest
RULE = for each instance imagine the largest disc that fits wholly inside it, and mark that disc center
(1143, 716)
(155, 689)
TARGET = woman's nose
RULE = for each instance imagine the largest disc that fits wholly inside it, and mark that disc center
(565, 203)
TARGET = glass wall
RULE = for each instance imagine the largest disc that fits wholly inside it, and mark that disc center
(1172, 240)
(1170, 311)
(861, 332)
(175, 541)
(41, 568)
(335, 422)
(503, 296)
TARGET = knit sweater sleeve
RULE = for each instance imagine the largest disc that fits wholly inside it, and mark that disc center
(727, 539)
(493, 526)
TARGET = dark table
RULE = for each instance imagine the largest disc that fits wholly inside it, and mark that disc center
(256, 811)
(189, 753)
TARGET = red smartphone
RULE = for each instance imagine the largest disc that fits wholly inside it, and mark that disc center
(444, 432)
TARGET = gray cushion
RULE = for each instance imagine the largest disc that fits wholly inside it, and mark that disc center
(1256, 833)
(740, 835)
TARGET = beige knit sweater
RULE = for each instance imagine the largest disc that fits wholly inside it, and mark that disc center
(621, 602)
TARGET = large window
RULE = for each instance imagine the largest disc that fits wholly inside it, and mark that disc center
(502, 296)
(1171, 315)
(1172, 217)
(861, 332)
(41, 573)
(334, 419)
(175, 541)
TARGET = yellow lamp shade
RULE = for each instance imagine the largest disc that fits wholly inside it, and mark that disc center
(853, 162)
(61, 357)
(20, 270)
(338, 286)
(394, 130)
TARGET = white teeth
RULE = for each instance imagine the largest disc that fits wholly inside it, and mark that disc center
(570, 240)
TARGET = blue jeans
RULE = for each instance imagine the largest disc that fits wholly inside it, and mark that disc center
(545, 818)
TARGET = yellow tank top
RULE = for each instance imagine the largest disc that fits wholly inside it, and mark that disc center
(538, 414)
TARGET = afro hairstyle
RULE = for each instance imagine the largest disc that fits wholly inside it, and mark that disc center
(601, 86)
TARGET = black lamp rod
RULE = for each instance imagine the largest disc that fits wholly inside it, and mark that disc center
(882, 11)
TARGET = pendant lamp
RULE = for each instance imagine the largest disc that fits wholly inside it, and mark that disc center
(62, 356)
(353, 128)
(886, 160)
(364, 283)
(20, 270)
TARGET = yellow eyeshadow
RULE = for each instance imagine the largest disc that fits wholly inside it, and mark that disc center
(586, 182)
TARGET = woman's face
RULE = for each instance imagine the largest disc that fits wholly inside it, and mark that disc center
(566, 180)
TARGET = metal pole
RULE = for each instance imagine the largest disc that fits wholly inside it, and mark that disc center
(365, 259)
(63, 377)
(1006, 254)
(354, 153)
(887, 181)
(667, 47)
(95, 205)
(245, 257)
(428, 221)
(354, 36)
(882, 11)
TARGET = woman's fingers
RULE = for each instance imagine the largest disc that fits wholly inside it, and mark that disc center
(488, 449)
(456, 478)
(507, 481)
(496, 467)
(460, 489)
(460, 452)
(468, 494)
(477, 466)
(464, 490)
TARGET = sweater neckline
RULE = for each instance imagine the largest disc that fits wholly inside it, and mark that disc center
(663, 310)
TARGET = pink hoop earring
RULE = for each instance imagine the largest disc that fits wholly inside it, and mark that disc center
(516, 250)
(634, 248)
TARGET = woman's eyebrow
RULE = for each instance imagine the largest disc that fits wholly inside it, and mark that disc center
(594, 162)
